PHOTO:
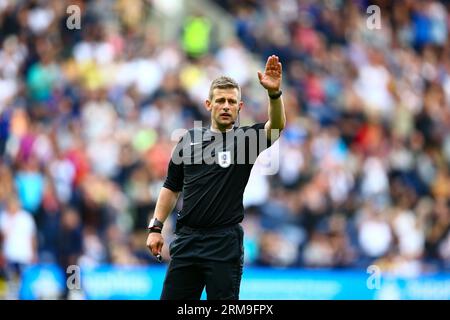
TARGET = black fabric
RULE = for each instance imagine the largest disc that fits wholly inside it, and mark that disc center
(205, 258)
(212, 194)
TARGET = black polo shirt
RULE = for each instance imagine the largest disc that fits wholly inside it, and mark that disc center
(212, 170)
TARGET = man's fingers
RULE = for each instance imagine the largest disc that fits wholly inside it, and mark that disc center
(273, 64)
(156, 250)
(273, 67)
(269, 63)
(277, 68)
(150, 246)
(155, 244)
(159, 247)
(273, 61)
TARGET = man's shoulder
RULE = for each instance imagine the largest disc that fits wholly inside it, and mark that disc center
(256, 126)
(191, 135)
(196, 133)
(194, 130)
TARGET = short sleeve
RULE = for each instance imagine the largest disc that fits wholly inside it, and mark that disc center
(175, 172)
(263, 141)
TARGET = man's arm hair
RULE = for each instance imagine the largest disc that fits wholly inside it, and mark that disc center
(165, 204)
(277, 118)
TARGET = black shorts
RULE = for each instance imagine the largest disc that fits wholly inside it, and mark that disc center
(213, 258)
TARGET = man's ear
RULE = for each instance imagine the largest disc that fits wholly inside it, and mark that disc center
(241, 105)
(208, 105)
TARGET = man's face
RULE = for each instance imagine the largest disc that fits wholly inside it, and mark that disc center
(224, 108)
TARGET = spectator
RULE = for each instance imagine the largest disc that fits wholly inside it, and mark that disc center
(19, 245)
(87, 122)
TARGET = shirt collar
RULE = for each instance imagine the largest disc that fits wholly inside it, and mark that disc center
(218, 131)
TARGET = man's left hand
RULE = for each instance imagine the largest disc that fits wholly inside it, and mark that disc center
(271, 78)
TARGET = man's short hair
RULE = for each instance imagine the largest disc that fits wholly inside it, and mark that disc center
(224, 82)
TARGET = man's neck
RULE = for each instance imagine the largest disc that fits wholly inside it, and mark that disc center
(217, 130)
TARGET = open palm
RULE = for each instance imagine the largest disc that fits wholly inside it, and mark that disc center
(271, 78)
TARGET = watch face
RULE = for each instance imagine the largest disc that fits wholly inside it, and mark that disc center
(155, 223)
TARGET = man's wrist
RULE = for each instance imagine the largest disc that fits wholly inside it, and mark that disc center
(274, 94)
(155, 225)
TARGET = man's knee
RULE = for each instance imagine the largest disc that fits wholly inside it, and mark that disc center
(183, 282)
(223, 281)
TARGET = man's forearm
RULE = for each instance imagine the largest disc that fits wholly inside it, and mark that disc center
(277, 117)
(166, 202)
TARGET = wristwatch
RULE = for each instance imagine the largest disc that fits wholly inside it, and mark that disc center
(275, 95)
(155, 225)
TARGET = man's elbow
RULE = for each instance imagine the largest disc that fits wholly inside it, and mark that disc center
(278, 126)
(274, 132)
(282, 126)
(167, 191)
(275, 125)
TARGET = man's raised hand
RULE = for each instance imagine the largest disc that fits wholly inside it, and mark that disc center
(271, 78)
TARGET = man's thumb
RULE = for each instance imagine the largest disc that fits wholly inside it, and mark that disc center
(259, 76)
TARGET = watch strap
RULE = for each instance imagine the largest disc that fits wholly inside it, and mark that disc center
(275, 95)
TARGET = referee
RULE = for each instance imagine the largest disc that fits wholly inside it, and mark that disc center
(212, 166)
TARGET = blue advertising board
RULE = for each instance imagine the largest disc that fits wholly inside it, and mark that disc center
(114, 282)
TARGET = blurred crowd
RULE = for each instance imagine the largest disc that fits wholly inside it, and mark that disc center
(87, 118)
